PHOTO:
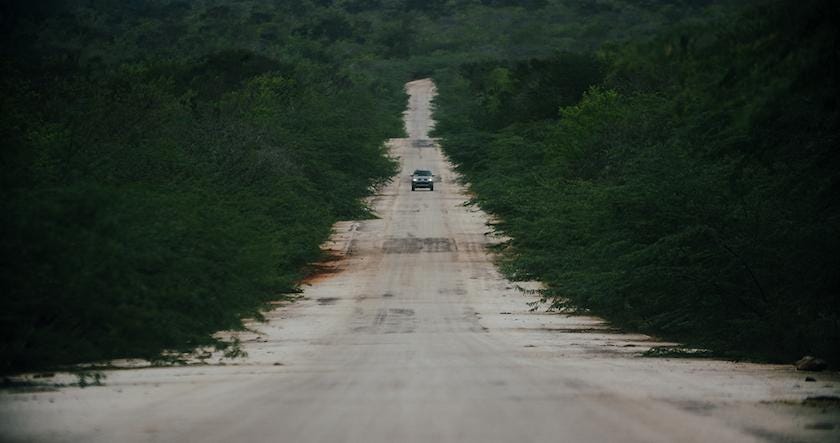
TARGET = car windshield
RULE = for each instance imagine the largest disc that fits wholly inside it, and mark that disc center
(422, 173)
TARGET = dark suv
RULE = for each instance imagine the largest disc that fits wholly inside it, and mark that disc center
(422, 179)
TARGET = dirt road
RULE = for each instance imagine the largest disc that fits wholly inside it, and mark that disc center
(417, 338)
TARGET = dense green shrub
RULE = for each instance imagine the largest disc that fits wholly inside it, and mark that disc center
(127, 232)
(150, 204)
(692, 193)
(168, 166)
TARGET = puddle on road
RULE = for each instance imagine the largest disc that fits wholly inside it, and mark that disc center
(580, 330)
(327, 300)
(414, 245)
(423, 143)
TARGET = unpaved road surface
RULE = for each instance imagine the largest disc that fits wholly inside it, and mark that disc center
(415, 337)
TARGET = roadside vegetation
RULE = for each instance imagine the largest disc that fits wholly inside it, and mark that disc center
(684, 185)
(158, 183)
(169, 166)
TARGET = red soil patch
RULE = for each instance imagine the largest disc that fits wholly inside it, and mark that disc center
(329, 265)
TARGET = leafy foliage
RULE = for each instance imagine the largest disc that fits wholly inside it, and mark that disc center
(148, 203)
(691, 192)
(169, 166)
